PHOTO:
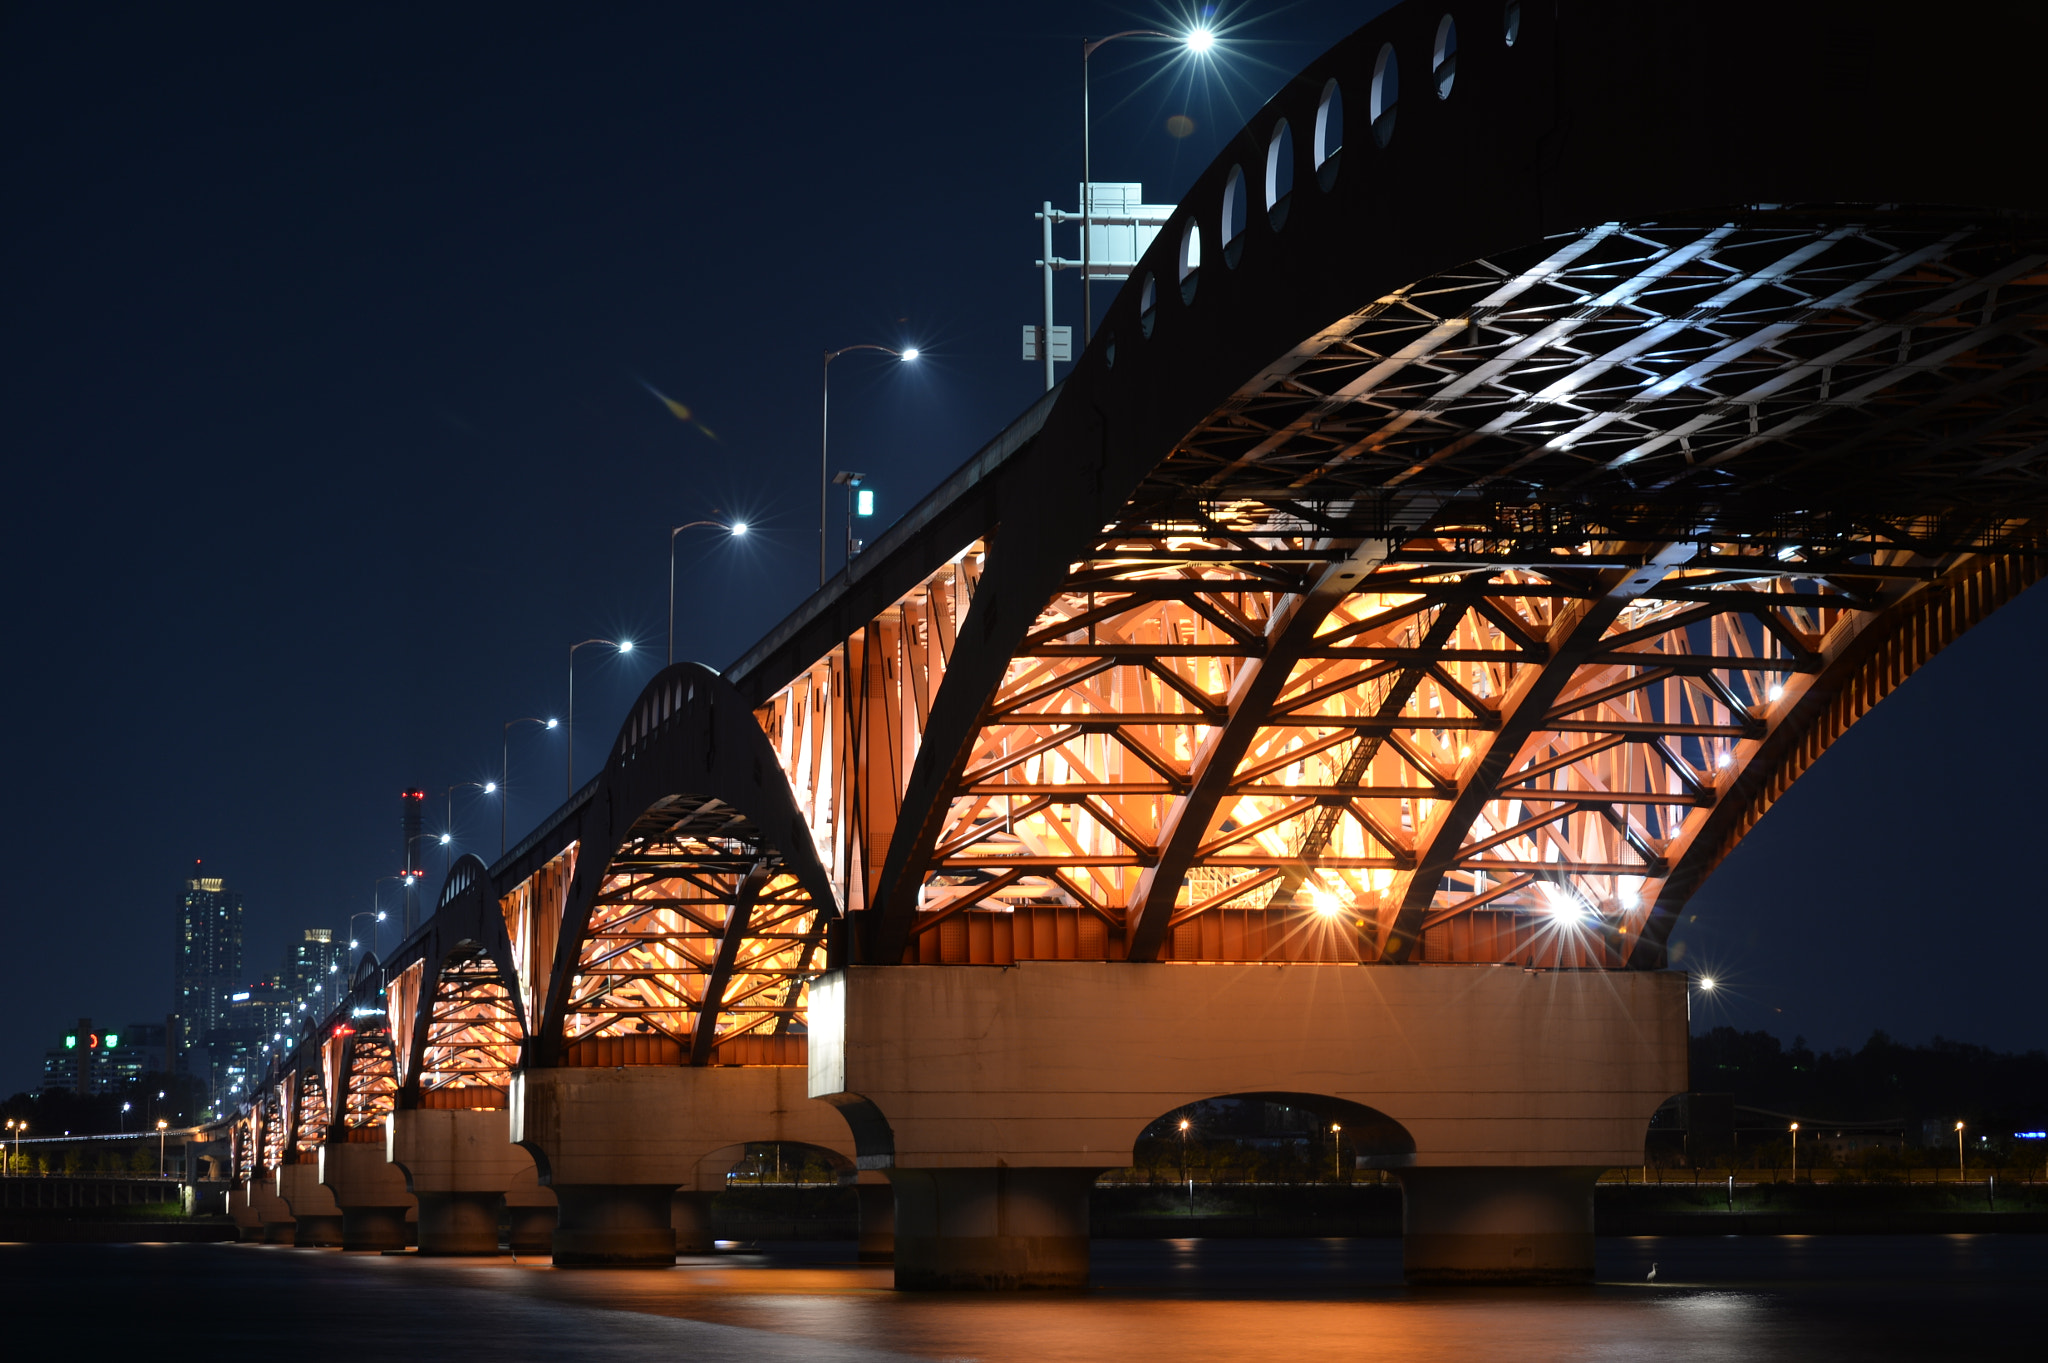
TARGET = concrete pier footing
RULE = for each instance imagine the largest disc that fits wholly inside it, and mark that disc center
(615, 1226)
(877, 1218)
(371, 1193)
(690, 1215)
(462, 1166)
(1497, 1225)
(316, 1216)
(459, 1223)
(271, 1211)
(634, 1153)
(991, 1228)
(248, 1224)
(532, 1225)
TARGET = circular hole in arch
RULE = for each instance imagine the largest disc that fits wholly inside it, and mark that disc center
(1190, 260)
(1443, 57)
(1279, 174)
(1230, 231)
(1329, 133)
(1511, 22)
(1386, 94)
(1148, 304)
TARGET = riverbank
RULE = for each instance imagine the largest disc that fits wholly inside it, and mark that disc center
(1238, 1211)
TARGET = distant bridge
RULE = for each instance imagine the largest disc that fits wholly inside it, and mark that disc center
(1540, 433)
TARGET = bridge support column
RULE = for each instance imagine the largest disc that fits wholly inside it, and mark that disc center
(271, 1211)
(690, 1215)
(317, 1218)
(248, 1223)
(370, 1192)
(990, 1097)
(1497, 1225)
(877, 1217)
(465, 1171)
(981, 1228)
(459, 1223)
(616, 1144)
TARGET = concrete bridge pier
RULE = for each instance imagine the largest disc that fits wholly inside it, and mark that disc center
(271, 1211)
(240, 1210)
(992, 1098)
(690, 1216)
(466, 1174)
(1004, 1227)
(316, 1217)
(617, 1145)
(877, 1200)
(1481, 1224)
(369, 1190)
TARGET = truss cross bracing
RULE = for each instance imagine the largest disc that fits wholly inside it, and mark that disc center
(1484, 626)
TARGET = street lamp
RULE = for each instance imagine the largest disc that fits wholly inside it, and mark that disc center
(1795, 1153)
(569, 772)
(162, 1126)
(736, 529)
(1198, 42)
(448, 828)
(1336, 1152)
(505, 769)
(825, 436)
(18, 1128)
(1959, 1152)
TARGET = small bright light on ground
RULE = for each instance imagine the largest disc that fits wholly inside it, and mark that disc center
(1200, 40)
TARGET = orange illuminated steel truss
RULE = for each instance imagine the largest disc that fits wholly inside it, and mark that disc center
(473, 1036)
(372, 1086)
(1322, 696)
(698, 948)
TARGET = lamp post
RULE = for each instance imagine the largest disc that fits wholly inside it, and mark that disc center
(1197, 41)
(375, 913)
(1336, 1153)
(1959, 1152)
(825, 436)
(505, 769)
(735, 528)
(569, 772)
(162, 1127)
(17, 1146)
(1795, 1152)
(448, 828)
(19, 1127)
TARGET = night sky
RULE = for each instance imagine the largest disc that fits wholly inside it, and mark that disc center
(325, 336)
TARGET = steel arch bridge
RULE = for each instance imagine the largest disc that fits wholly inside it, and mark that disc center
(1540, 433)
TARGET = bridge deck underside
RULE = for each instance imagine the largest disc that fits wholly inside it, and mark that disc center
(1460, 632)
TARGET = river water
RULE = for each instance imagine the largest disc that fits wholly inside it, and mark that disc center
(1809, 1298)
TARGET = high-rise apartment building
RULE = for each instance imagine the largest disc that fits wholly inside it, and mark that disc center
(206, 956)
(312, 970)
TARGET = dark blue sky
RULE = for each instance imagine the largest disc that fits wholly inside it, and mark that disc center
(323, 332)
